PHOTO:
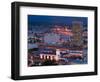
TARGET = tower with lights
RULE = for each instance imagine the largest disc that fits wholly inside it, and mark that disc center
(77, 33)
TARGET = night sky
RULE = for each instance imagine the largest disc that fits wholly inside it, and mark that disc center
(32, 19)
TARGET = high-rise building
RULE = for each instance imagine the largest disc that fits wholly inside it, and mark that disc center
(77, 33)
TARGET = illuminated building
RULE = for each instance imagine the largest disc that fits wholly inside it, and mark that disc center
(50, 55)
(77, 33)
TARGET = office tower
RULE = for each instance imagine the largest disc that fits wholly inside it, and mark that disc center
(77, 33)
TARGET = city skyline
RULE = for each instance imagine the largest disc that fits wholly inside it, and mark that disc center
(57, 40)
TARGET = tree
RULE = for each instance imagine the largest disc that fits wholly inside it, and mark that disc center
(49, 62)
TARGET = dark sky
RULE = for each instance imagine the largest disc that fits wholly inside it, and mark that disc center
(32, 19)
